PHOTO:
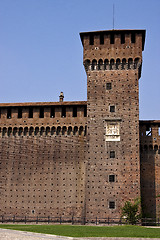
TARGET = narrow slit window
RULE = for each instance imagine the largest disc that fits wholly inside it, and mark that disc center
(9, 113)
(112, 108)
(112, 205)
(122, 38)
(111, 178)
(41, 112)
(159, 131)
(30, 112)
(108, 86)
(112, 38)
(74, 111)
(133, 39)
(63, 111)
(85, 111)
(19, 112)
(101, 39)
(112, 154)
(91, 40)
(52, 112)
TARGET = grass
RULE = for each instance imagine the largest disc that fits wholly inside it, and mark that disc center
(88, 231)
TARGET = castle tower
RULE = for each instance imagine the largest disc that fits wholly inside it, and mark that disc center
(112, 61)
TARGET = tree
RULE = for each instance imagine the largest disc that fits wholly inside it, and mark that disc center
(132, 211)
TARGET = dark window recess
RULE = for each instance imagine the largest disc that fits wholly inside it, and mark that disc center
(133, 39)
(41, 112)
(52, 112)
(74, 111)
(63, 111)
(19, 112)
(30, 112)
(112, 108)
(111, 178)
(112, 38)
(148, 131)
(8, 112)
(111, 204)
(85, 111)
(108, 86)
(112, 154)
(101, 39)
(91, 40)
(122, 38)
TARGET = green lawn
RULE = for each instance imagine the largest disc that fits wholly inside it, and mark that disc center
(89, 231)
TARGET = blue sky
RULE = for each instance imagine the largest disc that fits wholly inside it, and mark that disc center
(41, 51)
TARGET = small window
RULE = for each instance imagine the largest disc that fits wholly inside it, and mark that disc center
(112, 205)
(30, 112)
(111, 178)
(91, 40)
(74, 111)
(85, 111)
(148, 131)
(52, 112)
(112, 154)
(101, 39)
(122, 38)
(63, 111)
(108, 86)
(112, 108)
(8, 112)
(41, 112)
(19, 112)
(112, 38)
(159, 131)
(133, 40)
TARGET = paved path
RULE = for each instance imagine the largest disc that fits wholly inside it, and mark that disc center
(7, 234)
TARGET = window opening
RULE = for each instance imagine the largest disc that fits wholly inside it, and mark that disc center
(148, 131)
(111, 178)
(112, 108)
(19, 112)
(133, 39)
(108, 86)
(101, 39)
(30, 112)
(112, 154)
(122, 38)
(74, 111)
(91, 42)
(52, 112)
(111, 204)
(85, 111)
(41, 112)
(112, 38)
(159, 131)
(9, 113)
(63, 111)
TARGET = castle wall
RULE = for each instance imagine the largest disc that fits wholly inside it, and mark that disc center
(150, 167)
(43, 161)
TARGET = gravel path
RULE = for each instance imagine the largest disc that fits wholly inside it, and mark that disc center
(7, 234)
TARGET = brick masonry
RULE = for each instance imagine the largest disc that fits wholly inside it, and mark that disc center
(82, 159)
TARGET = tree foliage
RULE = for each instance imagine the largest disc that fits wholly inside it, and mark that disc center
(131, 211)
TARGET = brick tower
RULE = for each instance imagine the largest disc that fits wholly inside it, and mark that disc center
(112, 61)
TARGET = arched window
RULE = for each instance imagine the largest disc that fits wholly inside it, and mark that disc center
(87, 64)
(106, 64)
(53, 130)
(145, 148)
(31, 130)
(100, 64)
(15, 130)
(150, 147)
(69, 130)
(25, 131)
(9, 131)
(64, 130)
(155, 148)
(112, 64)
(118, 63)
(75, 130)
(123, 63)
(80, 130)
(42, 131)
(36, 131)
(94, 64)
(58, 130)
(47, 131)
(20, 131)
(136, 62)
(130, 63)
(4, 131)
